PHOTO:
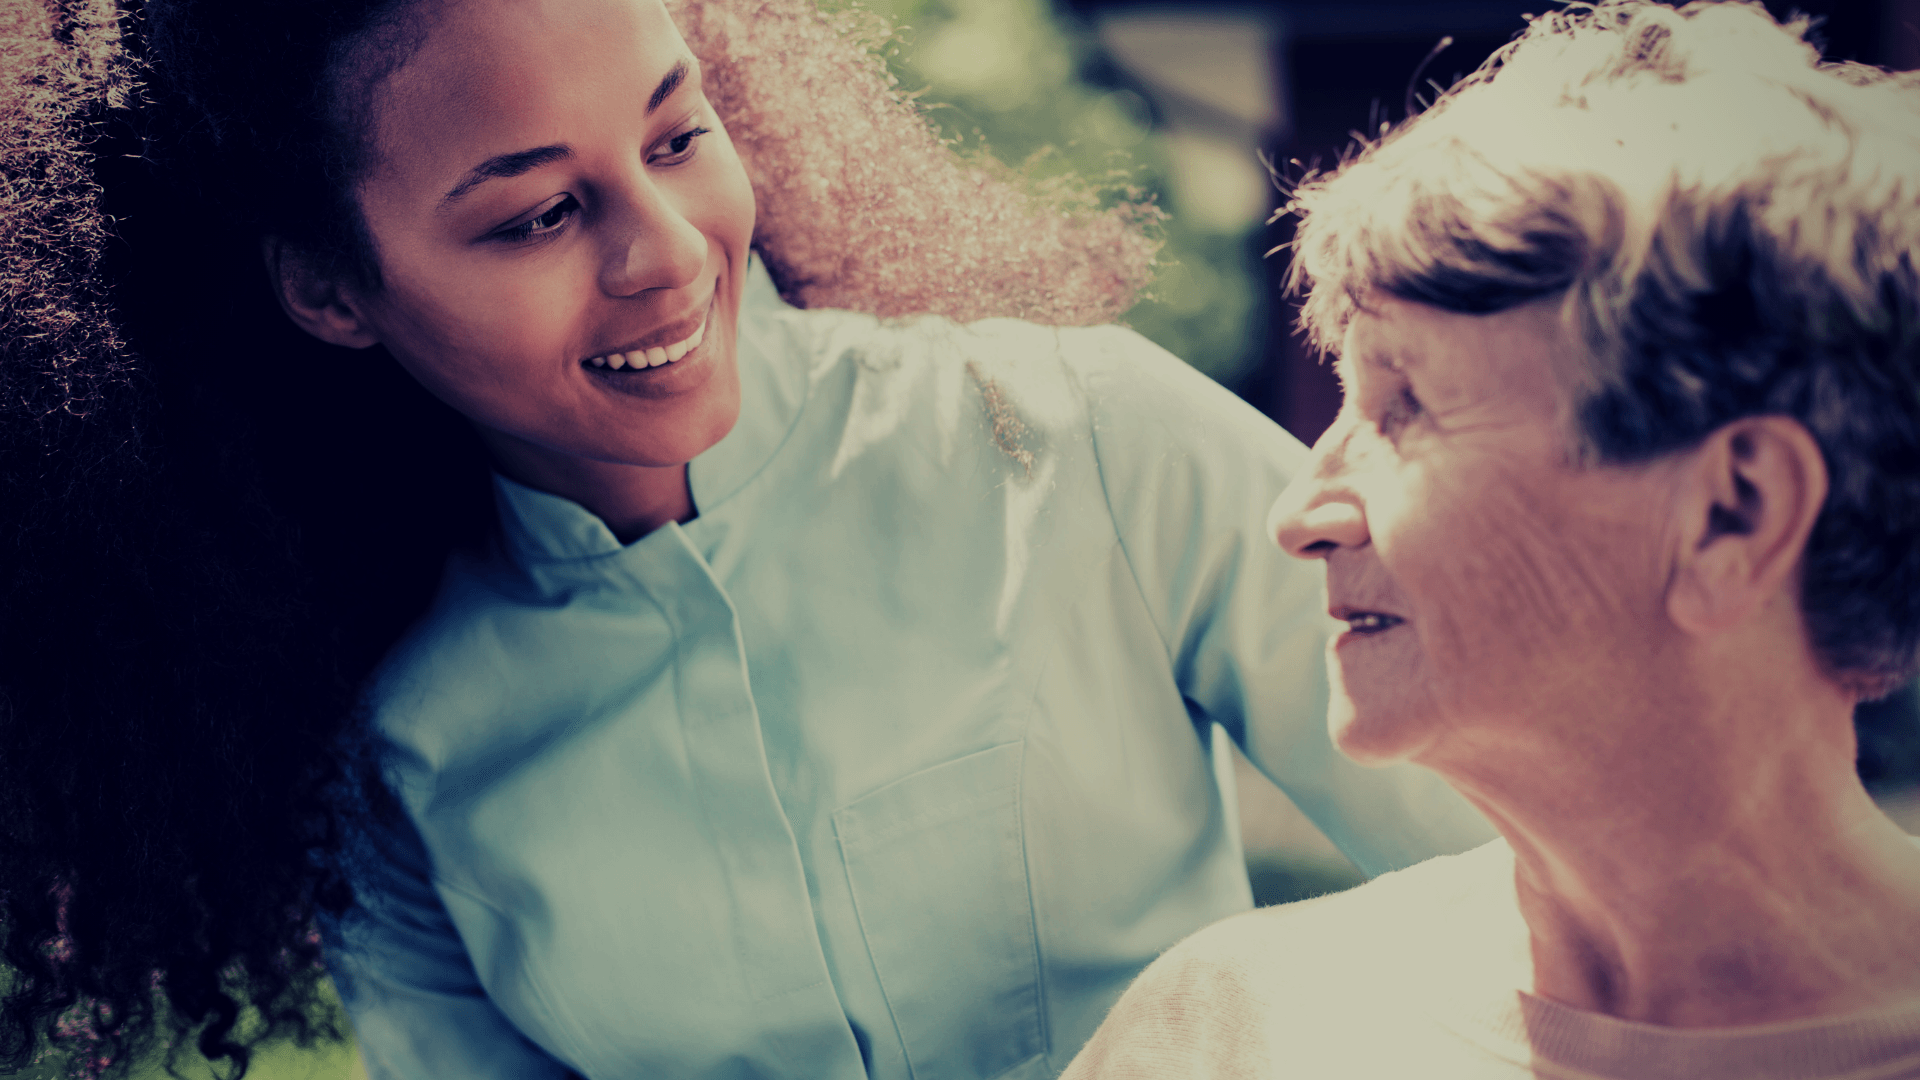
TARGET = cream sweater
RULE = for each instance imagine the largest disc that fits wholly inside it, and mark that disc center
(1414, 976)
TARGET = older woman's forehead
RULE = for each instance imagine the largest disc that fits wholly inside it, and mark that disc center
(1524, 349)
(1400, 333)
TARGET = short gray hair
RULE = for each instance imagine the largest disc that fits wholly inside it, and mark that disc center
(1734, 228)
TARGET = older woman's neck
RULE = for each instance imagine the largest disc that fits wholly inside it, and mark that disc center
(1710, 866)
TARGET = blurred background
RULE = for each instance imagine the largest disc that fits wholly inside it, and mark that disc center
(1189, 102)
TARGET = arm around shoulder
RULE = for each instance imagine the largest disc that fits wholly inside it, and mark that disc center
(1190, 472)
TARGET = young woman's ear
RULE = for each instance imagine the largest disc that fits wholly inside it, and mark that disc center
(316, 302)
(1754, 489)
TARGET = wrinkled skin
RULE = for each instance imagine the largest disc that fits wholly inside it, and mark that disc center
(1445, 496)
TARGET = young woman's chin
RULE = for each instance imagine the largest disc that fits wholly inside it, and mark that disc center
(684, 412)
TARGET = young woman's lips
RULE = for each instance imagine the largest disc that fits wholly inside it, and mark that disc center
(640, 361)
(684, 365)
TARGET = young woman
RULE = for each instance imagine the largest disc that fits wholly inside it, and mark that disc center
(821, 694)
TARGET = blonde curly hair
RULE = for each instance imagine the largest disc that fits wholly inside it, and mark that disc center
(903, 224)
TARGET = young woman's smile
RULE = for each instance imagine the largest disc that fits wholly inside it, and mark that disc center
(562, 231)
(669, 347)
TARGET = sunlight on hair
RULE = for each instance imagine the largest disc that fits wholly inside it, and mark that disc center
(861, 205)
(1733, 227)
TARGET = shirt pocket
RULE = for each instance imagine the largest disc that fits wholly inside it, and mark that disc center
(937, 865)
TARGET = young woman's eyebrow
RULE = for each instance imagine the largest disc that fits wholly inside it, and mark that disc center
(674, 77)
(521, 161)
(504, 165)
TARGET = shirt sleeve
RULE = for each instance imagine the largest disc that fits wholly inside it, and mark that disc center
(417, 1006)
(1190, 472)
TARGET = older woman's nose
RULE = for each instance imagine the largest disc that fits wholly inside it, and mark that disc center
(1314, 531)
(1317, 513)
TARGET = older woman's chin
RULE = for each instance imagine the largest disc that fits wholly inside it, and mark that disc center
(1374, 734)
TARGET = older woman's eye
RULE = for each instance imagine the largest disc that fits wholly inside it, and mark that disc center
(1401, 411)
(548, 222)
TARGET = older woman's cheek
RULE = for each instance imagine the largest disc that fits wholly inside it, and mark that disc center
(1515, 589)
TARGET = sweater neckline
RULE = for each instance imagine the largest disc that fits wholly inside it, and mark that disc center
(1561, 1041)
(1537, 1031)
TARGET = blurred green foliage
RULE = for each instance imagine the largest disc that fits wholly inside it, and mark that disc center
(1034, 89)
(320, 1057)
(274, 1061)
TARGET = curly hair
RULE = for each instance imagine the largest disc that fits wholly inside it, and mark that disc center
(216, 525)
(140, 622)
(1734, 227)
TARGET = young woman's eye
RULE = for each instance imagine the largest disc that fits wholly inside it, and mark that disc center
(548, 221)
(680, 147)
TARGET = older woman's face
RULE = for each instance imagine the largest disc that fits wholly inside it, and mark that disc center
(562, 228)
(1485, 585)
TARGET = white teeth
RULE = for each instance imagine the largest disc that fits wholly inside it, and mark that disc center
(1369, 622)
(654, 357)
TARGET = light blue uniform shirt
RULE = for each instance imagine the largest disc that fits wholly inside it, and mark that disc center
(897, 761)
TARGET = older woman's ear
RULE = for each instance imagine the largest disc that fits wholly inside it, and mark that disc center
(317, 302)
(1752, 491)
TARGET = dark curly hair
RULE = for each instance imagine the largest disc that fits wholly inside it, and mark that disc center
(1734, 228)
(214, 525)
(177, 672)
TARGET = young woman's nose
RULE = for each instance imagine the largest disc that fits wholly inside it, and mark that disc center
(653, 245)
(1319, 512)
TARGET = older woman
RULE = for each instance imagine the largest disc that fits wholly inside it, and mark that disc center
(1621, 517)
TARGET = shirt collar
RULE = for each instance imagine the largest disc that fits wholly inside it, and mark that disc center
(540, 527)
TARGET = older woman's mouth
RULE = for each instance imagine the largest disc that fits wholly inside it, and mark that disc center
(1366, 622)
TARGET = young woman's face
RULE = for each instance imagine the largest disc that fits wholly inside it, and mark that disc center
(562, 230)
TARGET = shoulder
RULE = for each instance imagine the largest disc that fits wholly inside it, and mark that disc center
(1029, 362)
(1107, 374)
(1259, 988)
(998, 393)
(1381, 916)
(457, 667)
(1310, 989)
(1143, 396)
(1130, 387)
(1196, 1015)
(1049, 369)
(1095, 409)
